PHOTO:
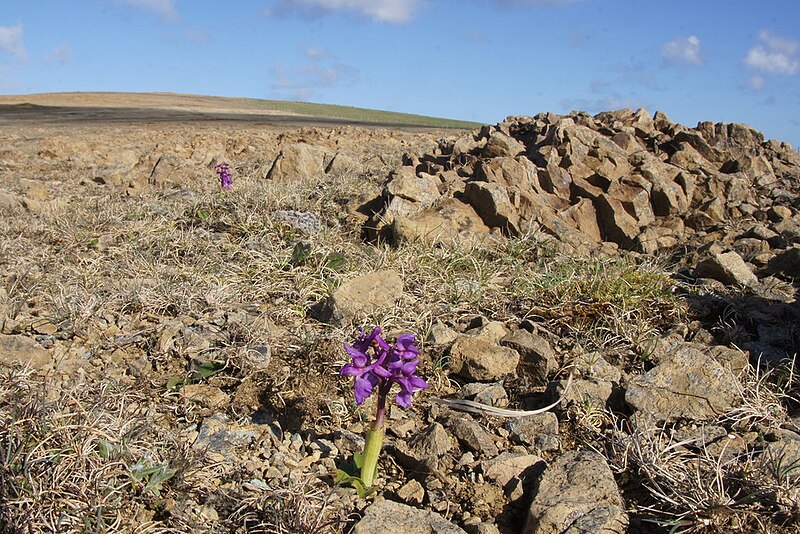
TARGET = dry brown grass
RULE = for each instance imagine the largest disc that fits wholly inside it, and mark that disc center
(693, 486)
(84, 462)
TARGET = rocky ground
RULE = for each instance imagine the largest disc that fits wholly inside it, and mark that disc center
(170, 350)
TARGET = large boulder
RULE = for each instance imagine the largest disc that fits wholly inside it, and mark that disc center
(685, 385)
(390, 516)
(300, 161)
(577, 494)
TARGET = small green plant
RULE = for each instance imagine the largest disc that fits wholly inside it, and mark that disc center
(203, 371)
(151, 477)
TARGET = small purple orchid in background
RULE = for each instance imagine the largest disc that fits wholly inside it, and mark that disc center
(223, 171)
(378, 365)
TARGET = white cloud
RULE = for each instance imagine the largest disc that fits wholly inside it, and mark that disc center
(314, 53)
(552, 3)
(60, 54)
(302, 82)
(11, 42)
(756, 83)
(774, 55)
(683, 50)
(391, 11)
(165, 8)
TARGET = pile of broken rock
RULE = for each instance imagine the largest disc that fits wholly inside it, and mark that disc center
(618, 179)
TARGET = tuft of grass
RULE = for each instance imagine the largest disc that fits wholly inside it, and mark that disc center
(685, 487)
(305, 507)
(692, 486)
(86, 462)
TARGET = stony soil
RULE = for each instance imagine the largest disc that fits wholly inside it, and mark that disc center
(169, 351)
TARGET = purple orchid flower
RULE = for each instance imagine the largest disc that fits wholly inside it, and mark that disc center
(375, 363)
(223, 171)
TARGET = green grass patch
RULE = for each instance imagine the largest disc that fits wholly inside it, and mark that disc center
(332, 111)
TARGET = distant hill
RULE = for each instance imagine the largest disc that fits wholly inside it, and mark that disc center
(227, 106)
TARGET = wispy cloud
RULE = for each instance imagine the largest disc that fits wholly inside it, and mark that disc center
(774, 55)
(315, 54)
(305, 81)
(550, 3)
(684, 51)
(11, 42)
(771, 55)
(756, 83)
(165, 8)
(389, 11)
(61, 54)
(198, 36)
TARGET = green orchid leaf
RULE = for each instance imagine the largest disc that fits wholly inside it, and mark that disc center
(175, 382)
(300, 254)
(207, 369)
(335, 262)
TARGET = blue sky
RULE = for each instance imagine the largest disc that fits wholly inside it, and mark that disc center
(482, 60)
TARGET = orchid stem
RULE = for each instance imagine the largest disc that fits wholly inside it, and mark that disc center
(372, 448)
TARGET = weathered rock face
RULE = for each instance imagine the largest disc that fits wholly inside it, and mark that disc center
(577, 494)
(476, 358)
(389, 516)
(728, 268)
(643, 183)
(686, 384)
(363, 295)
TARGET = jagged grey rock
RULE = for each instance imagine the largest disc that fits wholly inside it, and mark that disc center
(577, 494)
(390, 516)
(686, 384)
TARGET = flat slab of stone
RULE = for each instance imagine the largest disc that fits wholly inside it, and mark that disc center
(687, 384)
(577, 494)
(367, 294)
(394, 517)
(22, 350)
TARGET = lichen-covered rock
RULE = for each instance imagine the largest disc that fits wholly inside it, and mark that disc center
(389, 516)
(728, 268)
(577, 494)
(475, 358)
(686, 384)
